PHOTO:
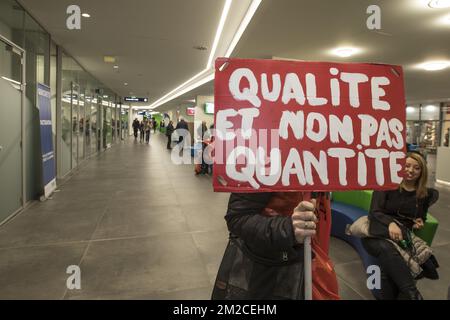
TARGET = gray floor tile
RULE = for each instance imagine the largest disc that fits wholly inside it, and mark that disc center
(205, 218)
(169, 228)
(156, 264)
(354, 275)
(442, 236)
(140, 221)
(347, 293)
(39, 228)
(37, 272)
(211, 245)
(341, 251)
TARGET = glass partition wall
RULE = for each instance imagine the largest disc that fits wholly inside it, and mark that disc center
(427, 125)
(88, 115)
(28, 56)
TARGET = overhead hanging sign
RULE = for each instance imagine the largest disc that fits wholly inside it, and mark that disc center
(135, 99)
(47, 151)
(307, 126)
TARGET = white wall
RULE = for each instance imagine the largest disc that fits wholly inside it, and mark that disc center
(200, 114)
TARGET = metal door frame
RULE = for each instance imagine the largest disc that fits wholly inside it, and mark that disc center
(22, 113)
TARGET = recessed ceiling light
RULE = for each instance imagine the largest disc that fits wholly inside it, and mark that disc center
(439, 4)
(86, 15)
(105, 96)
(201, 48)
(109, 59)
(116, 67)
(345, 52)
(445, 20)
(410, 109)
(126, 83)
(434, 65)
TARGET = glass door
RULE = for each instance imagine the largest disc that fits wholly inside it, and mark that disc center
(74, 103)
(81, 125)
(11, 80)
(87, 122)
(94, 115)
(101, 137)
(107, 129)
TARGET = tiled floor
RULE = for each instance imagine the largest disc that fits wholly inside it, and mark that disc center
(140, 227)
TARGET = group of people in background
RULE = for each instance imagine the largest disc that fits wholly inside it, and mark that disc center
(170, 129)
(144, 128)
(206, 137)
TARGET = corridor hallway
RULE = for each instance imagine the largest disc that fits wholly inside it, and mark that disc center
(141, 227)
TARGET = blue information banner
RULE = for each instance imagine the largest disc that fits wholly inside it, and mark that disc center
(48, 155)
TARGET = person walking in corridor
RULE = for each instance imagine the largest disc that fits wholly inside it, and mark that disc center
(147, 128)
(141, 131)
(181, 133)
(169, 131)
(136, 126)
(155, 125)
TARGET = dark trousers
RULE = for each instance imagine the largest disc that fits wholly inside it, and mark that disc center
(141, 136)
(396, 279)
(204, 165)
(147, 136)
(169, 141)
(135, 133)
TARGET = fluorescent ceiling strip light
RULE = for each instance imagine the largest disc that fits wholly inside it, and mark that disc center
(142, 107)
(11, 80)
(156, 103)
(191, 87)
(248, 17)
(223, 18)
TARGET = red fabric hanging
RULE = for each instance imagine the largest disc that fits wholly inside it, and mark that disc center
(325, 285)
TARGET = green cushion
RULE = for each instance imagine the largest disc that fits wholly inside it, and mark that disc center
(359, 198)
(428, 232)
(362, 199)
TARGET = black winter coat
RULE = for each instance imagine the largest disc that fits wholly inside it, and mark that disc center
(169, 129)
(262, 259)
(395, 205)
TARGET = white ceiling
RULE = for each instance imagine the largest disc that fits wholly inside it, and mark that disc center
(153, 39)
(307, 30)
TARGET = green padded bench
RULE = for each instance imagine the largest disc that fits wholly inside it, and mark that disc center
(362, 199)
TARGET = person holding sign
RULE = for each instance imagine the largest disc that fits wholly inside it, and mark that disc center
(264, 257)
(393, 215)
(289, 128)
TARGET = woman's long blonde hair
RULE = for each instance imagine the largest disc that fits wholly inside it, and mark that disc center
(421, 182)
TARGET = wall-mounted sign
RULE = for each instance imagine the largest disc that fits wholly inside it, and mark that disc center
(190, 111)
(209, 108)
(48, 155)
(135, 99)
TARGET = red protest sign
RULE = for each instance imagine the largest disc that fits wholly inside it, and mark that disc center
(307, 126)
